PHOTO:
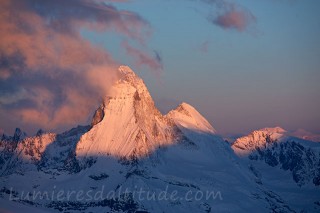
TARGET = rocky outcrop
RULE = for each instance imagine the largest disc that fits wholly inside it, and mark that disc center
(98, 116)
(277, 149)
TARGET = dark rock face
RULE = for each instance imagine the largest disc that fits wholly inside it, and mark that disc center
(98, 116)
(125, 203)
(302, 162)
(8, 146)
(45, 151)
(99, 177)
(39, 132)
(18, 135)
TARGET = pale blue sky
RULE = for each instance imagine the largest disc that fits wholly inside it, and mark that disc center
(267, 75)
(244, 64)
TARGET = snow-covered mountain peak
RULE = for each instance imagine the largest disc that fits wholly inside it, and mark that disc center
(273, 130)
(185, 109)
(266, 138)
(277, 148)
(126, 70)
(129, 83)
(186, 116)
(274, 133)
(258, 139)
(128, 123)
(128, 75)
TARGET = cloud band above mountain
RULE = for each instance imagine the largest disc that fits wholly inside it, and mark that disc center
(50, 74)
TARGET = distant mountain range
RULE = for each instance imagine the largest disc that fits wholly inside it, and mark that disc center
(132, 158)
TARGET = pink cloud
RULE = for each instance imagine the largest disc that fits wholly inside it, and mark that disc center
(235, 19)
(54, 76)
(230, 15)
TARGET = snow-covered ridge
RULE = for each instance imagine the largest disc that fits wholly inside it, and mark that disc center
(278, 148)
(265, 137)
(258, 139)
(21, 149)
(188, 117)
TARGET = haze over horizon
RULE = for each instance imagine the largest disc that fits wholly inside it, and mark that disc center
(244, 65)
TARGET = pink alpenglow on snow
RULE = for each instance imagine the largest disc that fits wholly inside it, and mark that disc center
(131, 123)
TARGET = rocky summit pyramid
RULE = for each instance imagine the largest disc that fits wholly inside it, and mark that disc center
(132, 158)
(128, 123)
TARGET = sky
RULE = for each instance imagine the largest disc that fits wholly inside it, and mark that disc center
(244, 64)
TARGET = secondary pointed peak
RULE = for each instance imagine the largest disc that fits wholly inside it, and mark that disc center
(186, 107)
(258, 139)
(188, 117)
(19, 135)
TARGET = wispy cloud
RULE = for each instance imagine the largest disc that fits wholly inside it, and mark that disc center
(54, 74)
(142, 58)
(230, 15)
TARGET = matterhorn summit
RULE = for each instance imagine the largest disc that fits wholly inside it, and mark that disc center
(128, 123)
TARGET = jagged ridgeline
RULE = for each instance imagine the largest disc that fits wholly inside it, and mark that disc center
(131, 146)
